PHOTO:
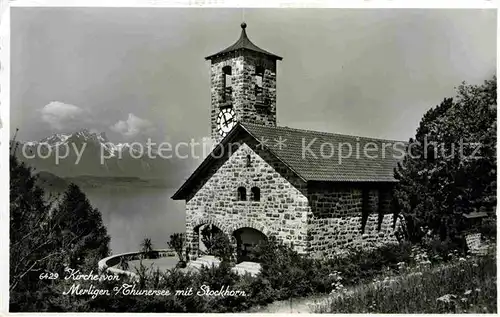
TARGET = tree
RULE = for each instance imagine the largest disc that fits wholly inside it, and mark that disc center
(147, 248)
(82, 231)
(33, 241)
(442, 176)
(177, 243)
(47, 235)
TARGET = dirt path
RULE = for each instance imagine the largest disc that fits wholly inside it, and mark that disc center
(295, 306)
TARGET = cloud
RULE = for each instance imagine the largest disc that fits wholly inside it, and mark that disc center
(60, 115)
(133, 126)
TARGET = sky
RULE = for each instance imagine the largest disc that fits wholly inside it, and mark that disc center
(135, 73)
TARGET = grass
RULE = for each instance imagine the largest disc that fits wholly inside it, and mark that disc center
(463, 287)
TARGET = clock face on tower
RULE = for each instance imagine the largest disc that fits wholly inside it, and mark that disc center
(225, 121)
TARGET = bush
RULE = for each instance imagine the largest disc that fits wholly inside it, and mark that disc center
(208, 235)
(488, 229)
(361, 265)
(439, 250)
(221, 247)
(292, 275)
(283, 268)
(177, 243)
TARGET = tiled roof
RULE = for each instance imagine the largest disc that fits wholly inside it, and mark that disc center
(244, 43)
(311, 165)
(316, 162)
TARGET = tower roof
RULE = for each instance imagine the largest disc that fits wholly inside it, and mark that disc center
(243, 43)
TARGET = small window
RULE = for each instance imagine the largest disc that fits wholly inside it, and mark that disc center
(259, 76)
(259, 79)
(249, 160)
(255, 194)
(242, 193)
(227, 76)
(228, 90)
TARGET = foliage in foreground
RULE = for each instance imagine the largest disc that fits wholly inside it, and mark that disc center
(46, 237)
(284, 274)
(177, 243)
(444, 177)
(463, 287)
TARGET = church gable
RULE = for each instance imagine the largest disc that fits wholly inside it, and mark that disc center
(224, 152)
(247, 191)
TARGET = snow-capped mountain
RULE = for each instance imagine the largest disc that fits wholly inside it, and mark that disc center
(55, 139)
(86, 136)
(90, 153)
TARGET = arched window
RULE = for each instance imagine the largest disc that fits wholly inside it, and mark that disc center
(242, 193)
(227, 76)
(226, 70)
(259, 75)
(259, 83)
(255, 193)
(249, 160)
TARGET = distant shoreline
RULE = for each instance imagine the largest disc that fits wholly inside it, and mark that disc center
(51, 181)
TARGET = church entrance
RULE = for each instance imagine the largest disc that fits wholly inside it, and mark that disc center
(246, 241)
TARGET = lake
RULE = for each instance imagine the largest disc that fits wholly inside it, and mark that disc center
(135, 213)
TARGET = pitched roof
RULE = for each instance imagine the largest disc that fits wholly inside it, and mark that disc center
(244, 43)
(320, 156)
(308, 154)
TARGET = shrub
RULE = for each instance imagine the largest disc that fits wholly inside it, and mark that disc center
(290, 274)
(222, 248)
(208, 235)
(439, 250)
(177, 243)
(488, 229)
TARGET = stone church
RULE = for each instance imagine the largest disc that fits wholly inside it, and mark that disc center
(262, 179)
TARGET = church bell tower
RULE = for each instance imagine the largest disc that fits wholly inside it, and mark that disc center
(243, 86)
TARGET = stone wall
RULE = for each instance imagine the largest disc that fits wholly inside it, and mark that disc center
(243, 100)
(473, 240)
(282, 209)
(348, 215)
(321, 219)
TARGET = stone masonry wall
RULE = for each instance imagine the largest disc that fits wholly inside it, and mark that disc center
(318, 219)
(282, 209)
(336, 218)
(243, 99)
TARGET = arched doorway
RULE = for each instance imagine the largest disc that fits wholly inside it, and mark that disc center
(246, 240)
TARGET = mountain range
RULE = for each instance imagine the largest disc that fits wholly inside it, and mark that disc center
(91, 154)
